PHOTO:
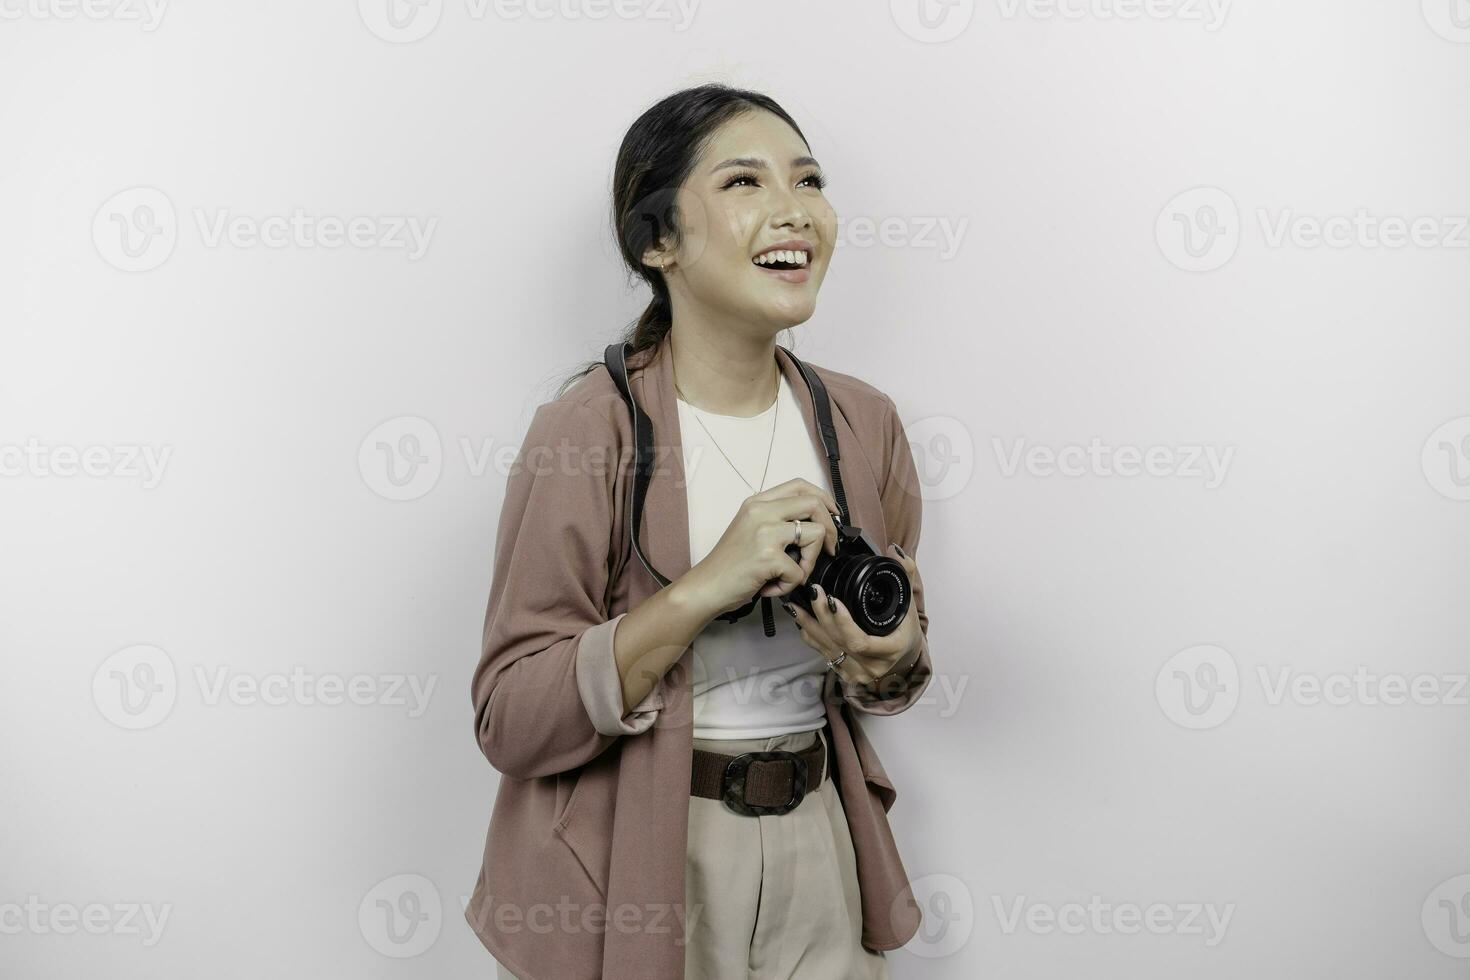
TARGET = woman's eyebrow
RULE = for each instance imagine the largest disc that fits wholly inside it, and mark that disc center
(755, 163)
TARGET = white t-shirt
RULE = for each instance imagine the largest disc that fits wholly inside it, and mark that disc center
(747, 684)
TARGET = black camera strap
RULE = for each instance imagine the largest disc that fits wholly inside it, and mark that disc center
(615, 357)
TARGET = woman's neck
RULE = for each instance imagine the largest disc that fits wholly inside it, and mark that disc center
(726, 374)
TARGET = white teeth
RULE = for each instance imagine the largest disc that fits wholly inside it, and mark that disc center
(782, 255)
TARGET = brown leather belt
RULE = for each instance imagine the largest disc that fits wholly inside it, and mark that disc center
(756, 783)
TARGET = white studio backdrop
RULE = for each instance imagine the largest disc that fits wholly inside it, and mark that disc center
(1171, 295)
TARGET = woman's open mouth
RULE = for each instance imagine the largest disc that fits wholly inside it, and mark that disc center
(789, 265)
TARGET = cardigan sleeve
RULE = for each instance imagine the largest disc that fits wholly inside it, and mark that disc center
(546, 691)
(902, 501)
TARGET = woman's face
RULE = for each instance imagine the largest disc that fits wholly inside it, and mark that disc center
(754, 186)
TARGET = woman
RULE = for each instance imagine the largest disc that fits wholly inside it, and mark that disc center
(623, 844)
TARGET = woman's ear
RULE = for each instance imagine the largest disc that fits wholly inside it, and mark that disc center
(657, 258)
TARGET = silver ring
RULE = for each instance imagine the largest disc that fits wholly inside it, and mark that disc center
(833, 664)
(797, 539)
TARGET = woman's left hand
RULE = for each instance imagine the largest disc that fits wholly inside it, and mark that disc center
(831, 632)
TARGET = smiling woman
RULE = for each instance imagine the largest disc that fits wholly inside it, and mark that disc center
(687, 790)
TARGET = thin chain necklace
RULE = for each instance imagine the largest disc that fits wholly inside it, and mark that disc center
(774, 416)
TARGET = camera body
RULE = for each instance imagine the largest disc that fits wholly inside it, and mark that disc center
(874, 588)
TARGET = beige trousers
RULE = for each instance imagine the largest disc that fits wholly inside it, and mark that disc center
(772, 897)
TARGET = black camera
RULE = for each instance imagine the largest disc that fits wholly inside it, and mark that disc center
(874, 588)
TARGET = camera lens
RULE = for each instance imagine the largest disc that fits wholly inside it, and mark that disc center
(880, 596)
(875, 590)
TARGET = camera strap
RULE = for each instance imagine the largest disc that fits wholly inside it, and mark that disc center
(615, 357)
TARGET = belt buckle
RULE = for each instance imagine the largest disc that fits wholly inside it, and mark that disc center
(732, 783)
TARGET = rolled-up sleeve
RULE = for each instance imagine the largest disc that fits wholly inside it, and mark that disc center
(547, 694)
(903, 506)
(601, 686)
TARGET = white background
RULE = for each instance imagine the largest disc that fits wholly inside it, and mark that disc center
(1108, 725)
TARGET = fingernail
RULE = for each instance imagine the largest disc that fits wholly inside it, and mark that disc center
(900, 551)
(831, 604)
(811, 592)
(790, 610)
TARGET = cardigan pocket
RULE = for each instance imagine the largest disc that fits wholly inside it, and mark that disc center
(872, 767)
(576, 827)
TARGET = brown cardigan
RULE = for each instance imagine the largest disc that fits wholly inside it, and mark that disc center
(583, 874)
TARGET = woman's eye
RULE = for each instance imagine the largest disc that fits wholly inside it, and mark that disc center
(816, 180)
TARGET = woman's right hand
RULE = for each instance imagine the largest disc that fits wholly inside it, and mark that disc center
(751, 554)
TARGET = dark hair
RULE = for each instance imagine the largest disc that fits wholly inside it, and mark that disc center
(656, 156)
